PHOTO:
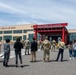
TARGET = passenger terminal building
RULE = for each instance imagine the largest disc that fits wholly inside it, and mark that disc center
(52, 31)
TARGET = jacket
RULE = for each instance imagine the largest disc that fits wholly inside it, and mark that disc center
(18, 46)
(34, 46)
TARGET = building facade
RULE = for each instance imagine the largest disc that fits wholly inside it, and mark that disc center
(71, 35)
(12, 32)
(52, 31)
(27, 31)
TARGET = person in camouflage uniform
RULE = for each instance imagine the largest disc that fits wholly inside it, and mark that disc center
(39, 44)
(27, 46)
(46, 46)
(53, 45)
(23, 43)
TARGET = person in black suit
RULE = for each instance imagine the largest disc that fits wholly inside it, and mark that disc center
(33, 50)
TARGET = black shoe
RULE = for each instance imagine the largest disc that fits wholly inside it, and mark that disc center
(56, 60)
(34, 60)
(21, 66)
(31, 61)
(61, 60)
(6, 66)
(3, 64)
(16, 65)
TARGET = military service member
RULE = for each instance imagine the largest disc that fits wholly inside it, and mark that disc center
(23, 43)
(53, 45)
(39, 44)
(46, 48)
(27, 46)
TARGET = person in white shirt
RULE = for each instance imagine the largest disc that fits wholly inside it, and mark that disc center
(70, 48)
(61, 46)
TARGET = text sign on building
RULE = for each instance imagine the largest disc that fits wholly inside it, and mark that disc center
(7, 28)
(51, 25)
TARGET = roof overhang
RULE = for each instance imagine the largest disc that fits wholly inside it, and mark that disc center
(50, 25)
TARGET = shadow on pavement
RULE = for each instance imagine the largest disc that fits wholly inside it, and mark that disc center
(65, 60)
(38, 60)
(58, 61)
(18, 66)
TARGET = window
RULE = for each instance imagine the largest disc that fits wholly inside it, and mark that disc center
(30, 30)
(24, 37)
(7, 32)
(0, 32)
(72, 36)
(38, 36)
(0, 38)
(15, 37)
(24, 31)
(9, 37)
(17, 31)
(31, 36)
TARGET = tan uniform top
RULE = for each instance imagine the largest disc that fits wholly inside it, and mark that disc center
(53, 42)
(27, 43)
(46, 45)
(61, 45)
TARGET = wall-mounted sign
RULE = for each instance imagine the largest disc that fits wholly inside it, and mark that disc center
(50, 25)
(8, 28)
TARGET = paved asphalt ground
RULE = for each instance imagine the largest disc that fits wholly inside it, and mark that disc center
(67, 67)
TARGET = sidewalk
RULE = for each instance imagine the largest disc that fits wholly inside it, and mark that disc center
(12, 53)
(67, 67)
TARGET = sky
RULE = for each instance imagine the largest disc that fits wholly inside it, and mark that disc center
(17, 12)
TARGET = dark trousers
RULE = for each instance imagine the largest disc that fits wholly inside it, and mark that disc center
(18, 54)
(6, 58)
(74, 53)
(60, 52)
(71, 53)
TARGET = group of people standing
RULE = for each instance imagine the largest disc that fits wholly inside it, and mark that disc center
(45, 46)
(18, 45)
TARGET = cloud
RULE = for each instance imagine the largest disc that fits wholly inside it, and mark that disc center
(38, 11)
(10, 9)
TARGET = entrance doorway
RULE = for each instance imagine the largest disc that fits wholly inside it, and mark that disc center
(56, 38)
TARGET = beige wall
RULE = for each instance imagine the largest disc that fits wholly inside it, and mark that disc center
(24, 27)
(71, 30)
(17, 27)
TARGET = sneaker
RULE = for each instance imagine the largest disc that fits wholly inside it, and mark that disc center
(73, 57)
(31, 61)
(69, 58)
